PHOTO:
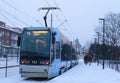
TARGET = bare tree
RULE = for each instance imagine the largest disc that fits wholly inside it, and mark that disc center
(112, 29)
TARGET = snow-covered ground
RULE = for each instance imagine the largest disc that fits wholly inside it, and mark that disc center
(10, 61)
(79, 74)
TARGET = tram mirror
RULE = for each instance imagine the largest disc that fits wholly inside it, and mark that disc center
(53, 37)
(55, 33)
(18, 41)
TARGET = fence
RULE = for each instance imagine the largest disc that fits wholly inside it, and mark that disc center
(8, 51)
(114, 64)
(9, 58)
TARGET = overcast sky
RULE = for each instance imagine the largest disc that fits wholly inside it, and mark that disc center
(82, 15)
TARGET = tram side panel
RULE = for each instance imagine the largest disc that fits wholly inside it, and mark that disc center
(65, 57)
(55, 54)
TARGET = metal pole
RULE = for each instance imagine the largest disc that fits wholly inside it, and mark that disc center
(51, 20)
(17, 53)
(1, 50)
(71, 55)
(103, 38)
(95, 48)
(98, 36)
(98, 49)
(6, 65)
(103, 42)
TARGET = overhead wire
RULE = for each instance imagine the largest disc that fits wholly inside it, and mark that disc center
(32, 17)
(53, 12)
(22, 12)
(60, 10)
(65, 18)
(57, 16)
(7, 19)
(4, 11)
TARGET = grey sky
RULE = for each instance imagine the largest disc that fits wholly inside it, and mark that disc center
(82, 15)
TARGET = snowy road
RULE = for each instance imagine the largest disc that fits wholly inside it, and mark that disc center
(79, 74)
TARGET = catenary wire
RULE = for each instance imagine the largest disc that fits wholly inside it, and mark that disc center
(6, 12)
(57, 16)
(22, 12)
(7, 19)
(64, 18)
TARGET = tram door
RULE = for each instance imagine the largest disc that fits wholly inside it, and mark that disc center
(55, 59)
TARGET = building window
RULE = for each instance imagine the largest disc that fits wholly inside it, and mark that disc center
(7, 33)
(13, 44)
(14, 37)
(2, 42)
(1, 33)
(7, 41)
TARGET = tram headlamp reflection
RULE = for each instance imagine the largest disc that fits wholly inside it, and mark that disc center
(46, 62)
(22, 62)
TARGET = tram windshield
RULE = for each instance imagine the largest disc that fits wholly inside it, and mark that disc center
(35, 43)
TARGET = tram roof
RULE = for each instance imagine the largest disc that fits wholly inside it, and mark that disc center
(63, 37)
(36, 28)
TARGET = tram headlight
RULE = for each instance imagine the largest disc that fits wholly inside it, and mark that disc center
(44, 62)
(22, 61)
(47, 62)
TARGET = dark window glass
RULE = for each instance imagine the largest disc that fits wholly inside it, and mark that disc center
(57, 50)
(35, 43)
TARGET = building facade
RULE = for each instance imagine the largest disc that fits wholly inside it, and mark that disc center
(8, 40)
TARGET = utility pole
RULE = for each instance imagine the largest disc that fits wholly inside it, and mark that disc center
(103, 38)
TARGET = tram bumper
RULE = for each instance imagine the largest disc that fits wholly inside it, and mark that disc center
(34, 71)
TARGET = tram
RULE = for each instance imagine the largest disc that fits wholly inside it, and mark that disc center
(45, 52)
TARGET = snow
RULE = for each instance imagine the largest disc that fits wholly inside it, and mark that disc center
(88, 74)
(11, 61)
(81, 73)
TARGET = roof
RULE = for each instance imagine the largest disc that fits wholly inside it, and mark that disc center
(11, 29)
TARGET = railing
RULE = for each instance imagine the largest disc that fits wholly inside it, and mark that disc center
(114, 64)
(6, 63)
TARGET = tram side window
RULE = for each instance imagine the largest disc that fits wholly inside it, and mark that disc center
(57, 50)
(52, 54)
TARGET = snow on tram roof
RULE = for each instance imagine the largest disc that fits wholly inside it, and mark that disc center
(36, 28)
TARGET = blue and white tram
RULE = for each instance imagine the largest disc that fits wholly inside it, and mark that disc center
(41, 51)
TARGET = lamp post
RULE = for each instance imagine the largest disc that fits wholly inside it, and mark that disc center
(98, 36)
(98, 48)
(103, 38)
(95, 49)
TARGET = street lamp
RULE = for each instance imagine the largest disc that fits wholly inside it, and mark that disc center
(98, 36)
(103, 37)
(95, 49)
(98, 48)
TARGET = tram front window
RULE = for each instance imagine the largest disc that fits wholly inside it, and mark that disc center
(35, 47)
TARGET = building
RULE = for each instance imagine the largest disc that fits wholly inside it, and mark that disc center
(8, 39)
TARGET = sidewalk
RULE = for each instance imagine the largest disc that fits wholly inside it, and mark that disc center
(88, 74)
